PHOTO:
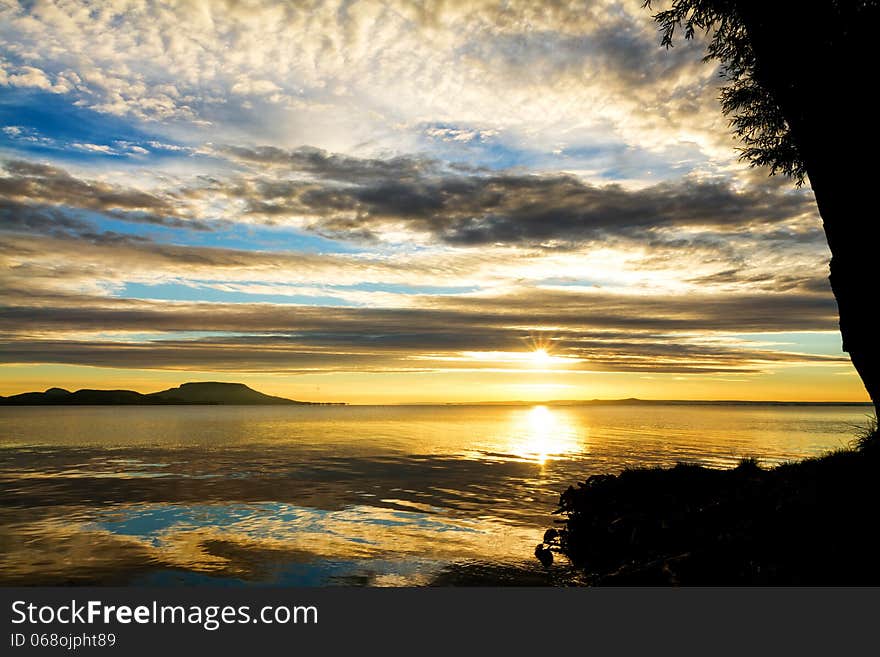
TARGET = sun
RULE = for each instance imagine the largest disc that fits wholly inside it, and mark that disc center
(541, 357)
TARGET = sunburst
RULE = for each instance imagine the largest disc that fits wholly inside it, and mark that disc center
(540, 352)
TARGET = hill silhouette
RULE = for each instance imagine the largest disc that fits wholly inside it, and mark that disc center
(205, 392)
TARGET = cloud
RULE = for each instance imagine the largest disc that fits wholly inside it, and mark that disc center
(28, 76)
(531, 310)
(330, 166)
(463, 135)
(357, 198)
(352, 197)
(299, 357)
(597, 331)
(37, 183)
(370, 76)
(46, 220)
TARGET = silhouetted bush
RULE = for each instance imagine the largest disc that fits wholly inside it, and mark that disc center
(811, 522)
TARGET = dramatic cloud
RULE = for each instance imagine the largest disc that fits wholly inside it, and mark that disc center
(525, 209)
(389, 187)
(362, 198)
(530, 311)
(43, 184)
(372, 75)
(593, 331)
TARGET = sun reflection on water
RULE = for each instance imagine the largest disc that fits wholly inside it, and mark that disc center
(541, 434)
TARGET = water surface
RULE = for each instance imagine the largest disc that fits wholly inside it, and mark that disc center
(382, 495)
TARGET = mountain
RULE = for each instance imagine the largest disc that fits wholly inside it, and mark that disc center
(217, 393)
(208, 392)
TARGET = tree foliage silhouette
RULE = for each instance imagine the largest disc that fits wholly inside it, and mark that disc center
(800, 81)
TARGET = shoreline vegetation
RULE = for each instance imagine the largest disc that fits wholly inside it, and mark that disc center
(808, 522)
(195, 393)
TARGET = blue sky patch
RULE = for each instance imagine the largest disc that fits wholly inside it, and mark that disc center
(40, 122)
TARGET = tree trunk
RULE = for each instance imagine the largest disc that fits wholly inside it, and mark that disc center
(851, 229)
(818, 61)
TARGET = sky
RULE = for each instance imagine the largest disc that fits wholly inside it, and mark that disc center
(394, 202)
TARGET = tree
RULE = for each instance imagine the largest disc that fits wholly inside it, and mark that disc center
(800, 80)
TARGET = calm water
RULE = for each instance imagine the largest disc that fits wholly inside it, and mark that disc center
(337, 495)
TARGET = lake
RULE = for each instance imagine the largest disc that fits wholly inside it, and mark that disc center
(348, 495)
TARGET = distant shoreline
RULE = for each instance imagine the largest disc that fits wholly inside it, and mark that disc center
(199, 393)
(237, 394)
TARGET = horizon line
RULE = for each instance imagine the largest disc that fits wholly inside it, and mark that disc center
(520, 402)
